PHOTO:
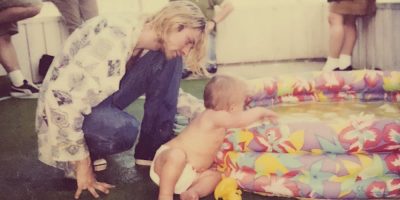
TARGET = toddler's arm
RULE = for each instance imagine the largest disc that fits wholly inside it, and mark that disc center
(242, 119)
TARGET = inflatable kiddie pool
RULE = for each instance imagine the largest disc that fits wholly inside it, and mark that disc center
(338, 136)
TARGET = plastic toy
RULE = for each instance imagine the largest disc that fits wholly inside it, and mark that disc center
(227, 189)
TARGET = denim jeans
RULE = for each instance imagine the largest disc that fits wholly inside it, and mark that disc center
(109, 129)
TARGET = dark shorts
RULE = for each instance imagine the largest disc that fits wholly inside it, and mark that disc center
(353, 7)
(8, 28)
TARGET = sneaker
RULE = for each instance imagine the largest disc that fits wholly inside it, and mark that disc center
(100, 165)
(348, 68)
(212, 69)
(44, 64)
(25, 91)
(186, 73)
(143, 162)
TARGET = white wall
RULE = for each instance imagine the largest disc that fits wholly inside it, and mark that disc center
(257, 30)
(264, 30)
(150, 6)
(378, 43)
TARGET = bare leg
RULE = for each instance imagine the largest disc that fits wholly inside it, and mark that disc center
(14, 14)
(336, 34)
(169, 166)
(350, 35)
(70, 12)
(88, 9)
(336, 37)
(8, 55)
(203, 186)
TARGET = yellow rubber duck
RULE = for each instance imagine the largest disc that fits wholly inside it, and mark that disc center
(227, 189)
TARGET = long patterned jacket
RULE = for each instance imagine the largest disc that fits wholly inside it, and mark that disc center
(88, 70)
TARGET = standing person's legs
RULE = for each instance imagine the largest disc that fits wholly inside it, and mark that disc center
(350, 38)
(211, 51)
(186, 72)
(350, 35)
(8, 55)
(69, 10)
(14, 14)
(8, 27)
(20, 88)
(336, 37)
(88, 9)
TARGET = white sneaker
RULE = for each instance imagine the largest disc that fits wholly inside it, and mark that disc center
(143, 162)
(25, 91)
(100, 165)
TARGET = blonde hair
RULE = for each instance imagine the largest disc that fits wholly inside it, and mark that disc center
(223, 91)
(184, 14)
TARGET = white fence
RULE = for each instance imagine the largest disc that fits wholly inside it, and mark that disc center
(378, 44)
(266, 30)
(257, 30)
(45, 34)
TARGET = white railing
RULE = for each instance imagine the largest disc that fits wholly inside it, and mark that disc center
(41, 34)
(266, 30)
(45, 34)
(378, 44)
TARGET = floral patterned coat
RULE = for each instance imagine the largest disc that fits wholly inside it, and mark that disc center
(88, 70)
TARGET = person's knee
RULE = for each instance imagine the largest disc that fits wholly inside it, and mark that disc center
(106, 136)
(5, 39)
(21, 13)
(128, 132)
(335, 19)
(350, 21)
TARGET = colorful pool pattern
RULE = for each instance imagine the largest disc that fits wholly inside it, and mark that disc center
(338, 136)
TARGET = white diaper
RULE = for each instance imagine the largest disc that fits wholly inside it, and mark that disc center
(185, 180)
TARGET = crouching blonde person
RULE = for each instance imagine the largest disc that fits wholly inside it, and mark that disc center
(102, 69)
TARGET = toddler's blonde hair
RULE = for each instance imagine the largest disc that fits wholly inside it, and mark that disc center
(222, 91)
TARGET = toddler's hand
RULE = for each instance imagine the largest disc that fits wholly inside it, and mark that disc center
(271, 116)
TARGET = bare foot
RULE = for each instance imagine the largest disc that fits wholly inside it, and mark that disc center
(189, 195)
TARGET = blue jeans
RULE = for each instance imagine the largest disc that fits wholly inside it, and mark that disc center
(109, 130)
